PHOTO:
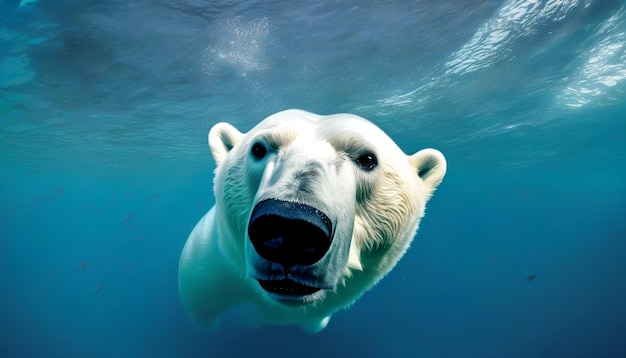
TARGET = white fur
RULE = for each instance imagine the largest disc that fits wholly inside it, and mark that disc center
(376, 212)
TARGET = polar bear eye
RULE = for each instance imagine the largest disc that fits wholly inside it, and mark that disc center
(367, 161)
(258, 150)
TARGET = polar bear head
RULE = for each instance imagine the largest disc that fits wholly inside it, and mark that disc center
(312, 206)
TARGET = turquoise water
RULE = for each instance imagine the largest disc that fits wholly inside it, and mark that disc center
(104, 168)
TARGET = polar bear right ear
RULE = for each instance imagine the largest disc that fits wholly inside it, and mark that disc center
(222, 138)
(430, 166)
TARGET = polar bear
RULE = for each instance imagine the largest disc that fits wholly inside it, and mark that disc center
(310, 212)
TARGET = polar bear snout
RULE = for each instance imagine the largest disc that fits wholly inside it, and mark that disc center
(289, 233)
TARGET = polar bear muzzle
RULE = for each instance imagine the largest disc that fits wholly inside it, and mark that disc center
(289, 233)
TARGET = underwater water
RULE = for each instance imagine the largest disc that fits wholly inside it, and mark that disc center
(104, 168)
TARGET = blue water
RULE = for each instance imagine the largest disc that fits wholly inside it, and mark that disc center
(104, 168)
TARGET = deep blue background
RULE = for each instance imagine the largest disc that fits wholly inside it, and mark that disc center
(104, 111)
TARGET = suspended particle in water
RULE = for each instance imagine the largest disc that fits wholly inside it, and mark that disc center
(128, 217)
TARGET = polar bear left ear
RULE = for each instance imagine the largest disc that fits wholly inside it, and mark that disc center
(430, 166)
(222, 138)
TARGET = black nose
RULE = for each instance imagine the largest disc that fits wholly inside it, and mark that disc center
(289, 233)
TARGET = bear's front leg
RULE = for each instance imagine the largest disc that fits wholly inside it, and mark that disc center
(206, 283)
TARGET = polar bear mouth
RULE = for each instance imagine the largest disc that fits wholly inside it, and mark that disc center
(287, 287)
(289, 234)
